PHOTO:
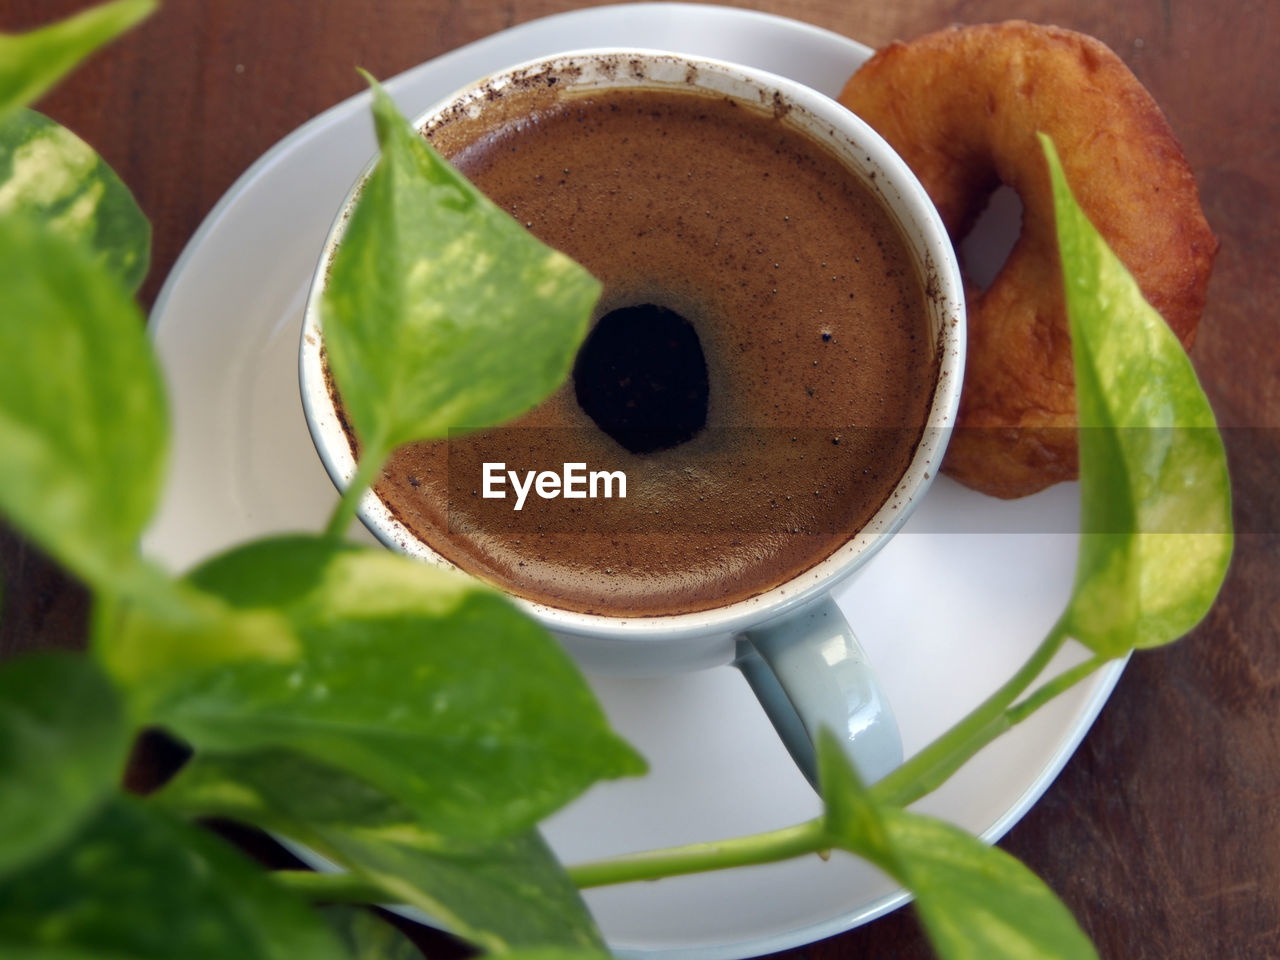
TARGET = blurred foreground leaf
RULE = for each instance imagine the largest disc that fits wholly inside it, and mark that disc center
(83, 423)
(49, 174)
(498, 895)
(369, 937)
(424, 684)
(31, 63)
(169, 631)
(136, 883)
(63, 742)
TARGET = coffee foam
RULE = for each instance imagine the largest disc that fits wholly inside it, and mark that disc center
(811, 316)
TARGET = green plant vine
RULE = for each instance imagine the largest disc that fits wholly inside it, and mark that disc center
(409, 725)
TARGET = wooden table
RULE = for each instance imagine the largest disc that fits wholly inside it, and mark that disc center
(1162, 833)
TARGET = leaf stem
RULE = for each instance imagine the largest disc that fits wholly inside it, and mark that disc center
(808, 837)
(367, 469)
(1059, 684)
(942, 758)
(330, 887)
(927, 770)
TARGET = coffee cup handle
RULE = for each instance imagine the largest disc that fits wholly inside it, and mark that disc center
(809, 671)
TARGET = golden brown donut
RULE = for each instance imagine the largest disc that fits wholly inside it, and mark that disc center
(962, 106)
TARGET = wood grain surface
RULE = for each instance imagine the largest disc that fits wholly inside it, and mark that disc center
(1163, 832)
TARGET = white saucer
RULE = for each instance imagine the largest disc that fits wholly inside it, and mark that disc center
(947, 612)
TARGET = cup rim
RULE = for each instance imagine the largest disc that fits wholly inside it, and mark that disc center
(881, 170)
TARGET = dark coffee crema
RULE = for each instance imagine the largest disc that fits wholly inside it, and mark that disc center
(817, 358)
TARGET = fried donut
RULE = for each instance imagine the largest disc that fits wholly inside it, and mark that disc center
(962, 106)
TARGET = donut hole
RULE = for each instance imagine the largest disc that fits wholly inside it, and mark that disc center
(985, 248)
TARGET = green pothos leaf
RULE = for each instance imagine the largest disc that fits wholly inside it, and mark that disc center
(1155, 493)
(975, 902)
(441, 311)
(51, 175)
(83, 418)
(424, 684)
(168, 630)
(369, 937)
(63, 740)
(138, 883)
(31, 63)
(499, 895)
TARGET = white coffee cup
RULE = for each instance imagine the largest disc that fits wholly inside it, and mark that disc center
(792, 643)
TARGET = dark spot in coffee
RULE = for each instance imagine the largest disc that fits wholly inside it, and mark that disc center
(642, 377)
